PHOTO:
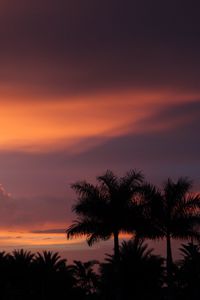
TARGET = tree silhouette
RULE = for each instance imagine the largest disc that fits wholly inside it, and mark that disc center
(172, 213)
(140, 273)
(5, 272)
(103, 210)
(22, 257)
(49, 261)
(85, 276)
(20, 277)
(51, 275)
(189, 271)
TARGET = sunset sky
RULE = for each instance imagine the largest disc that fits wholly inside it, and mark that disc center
(87, 86)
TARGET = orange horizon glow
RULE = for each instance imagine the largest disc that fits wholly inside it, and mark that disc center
(25, 239)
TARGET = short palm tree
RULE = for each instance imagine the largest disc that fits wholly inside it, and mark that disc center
(103, 210)
(85, 276)
(49, 269)
(49, 261)
(140, 272)
(21, 275)
(188, 274)
(22, 257)
(172, 213)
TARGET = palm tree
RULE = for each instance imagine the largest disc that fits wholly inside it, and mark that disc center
(22, 257)
(21, 275)
(49, 261)
(140, 272)
(4, 273)
(50, 270)
(172, 213)
(103, 210)
(85, 276)
(189, 271)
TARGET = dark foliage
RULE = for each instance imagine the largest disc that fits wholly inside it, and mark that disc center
(188, 272)
(138, 276)
(24, 275)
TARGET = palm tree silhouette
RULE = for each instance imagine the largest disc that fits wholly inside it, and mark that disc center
(50, 268)
(22, 257)
(138, 268)
(189, 271)
(5, 272)
(20, 278)
(49, 261)
(85, 276)
(103, 210)
(171, 214)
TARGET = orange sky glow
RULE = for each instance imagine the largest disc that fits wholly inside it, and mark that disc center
(32, 125)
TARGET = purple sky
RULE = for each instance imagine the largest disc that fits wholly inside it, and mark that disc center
(87, 86)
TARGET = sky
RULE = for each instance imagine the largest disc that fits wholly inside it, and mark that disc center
(87, 86)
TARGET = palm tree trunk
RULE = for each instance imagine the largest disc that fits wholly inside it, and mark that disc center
(169, 268)
(116, 246)
(117, 294)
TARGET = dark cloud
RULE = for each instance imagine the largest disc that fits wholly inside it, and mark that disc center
(34, 212)
(50, 231)
(185, 112)
(69, 47)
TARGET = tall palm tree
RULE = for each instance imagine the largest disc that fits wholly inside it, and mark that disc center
(103, 210)
(172, 213)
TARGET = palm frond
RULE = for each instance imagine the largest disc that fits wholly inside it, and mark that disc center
(96, 237)
(132, 179)
(188, 234)
(80, 228)
(84, 189)
(193, 201)
(189, 250)
(176, 190)
(90, 207)
(135, 247)
(109, 181)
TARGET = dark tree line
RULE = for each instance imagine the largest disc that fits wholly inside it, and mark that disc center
(140, 275)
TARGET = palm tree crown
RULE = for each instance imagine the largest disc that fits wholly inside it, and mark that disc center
(103, 210)
(49, 261)
(138, 267)
(173, 212)
(85, 276)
